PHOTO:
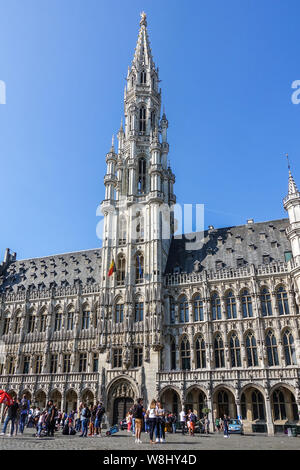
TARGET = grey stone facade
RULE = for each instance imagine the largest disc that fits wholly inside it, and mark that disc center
(217, 327)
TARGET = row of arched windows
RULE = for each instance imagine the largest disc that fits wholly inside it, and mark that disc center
(230, 305)
(234, 351)
(139, 268)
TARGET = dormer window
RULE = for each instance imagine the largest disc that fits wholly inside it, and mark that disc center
(219, 264)
(240, 262)
(266, 259)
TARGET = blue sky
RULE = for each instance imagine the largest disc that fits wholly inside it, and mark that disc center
(226, 69)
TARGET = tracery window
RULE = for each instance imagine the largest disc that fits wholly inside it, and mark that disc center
(251, 350)
(235, 351)
(139, 268)
(173, 353)
(185, 351)
(200, 353)
(121, 262)
(272, 352)
(183, 310)
(142, 120)
(282, 301)
(279, 410)
(230, 305)
(85, 320)
(246, 304)
(141, 180)
(198, 308)
(258, 407)
(215, 307)
(219, 352)
(289, 348)
(119, 313)
(266, 304)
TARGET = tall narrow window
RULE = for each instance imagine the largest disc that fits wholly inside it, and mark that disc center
(246, 304)
(289, 348)
(230, 305)
(38, 364)
(70, 320)
(6, 326)
(67, 363)
(215, 307)
(119, 313)
(17, 325)
(43, 322)
(139, 311)
(282, 301)
(278, 406)
(183, 310)
(141, 181)
(117, 357)
(82, 362)
(198, 308)
(172, 310)
(95, 362)
(235, 351)
(258, 407)
(219, 352)
(137, 357)
(173, 353)
(153, 119)
(266, 304)
(185, 351)
(58, 319)
(200, 353)
(139, 268)
(53, 363)
(11, 365)
(85, 320)
(143, 77)
(121, 270)
(26, 363)
(272, 349)
(251, 350)
(139, 227)
(122, 231)
(142, 120)
(31, 323)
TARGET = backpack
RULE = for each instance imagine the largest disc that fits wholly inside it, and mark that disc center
(86, 413)
(135, 411)
(193, 417)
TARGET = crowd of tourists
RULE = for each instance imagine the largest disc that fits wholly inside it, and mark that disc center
(87, 420)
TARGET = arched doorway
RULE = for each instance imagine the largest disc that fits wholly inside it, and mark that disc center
(71, 400)
(196, 401)
(27, 394)
(120, 399)
(253, 410)
(88, 397)
(56, 397)
(284, 408)
(170, 400)
(224, 403)
(40, 399)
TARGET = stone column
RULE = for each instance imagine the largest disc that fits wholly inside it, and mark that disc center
(270, 425)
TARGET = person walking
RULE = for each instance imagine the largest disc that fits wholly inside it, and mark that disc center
(206, 424)
(218, 424)
(50, 418)
(182, 417)
(11, 411)
(225, 426)
(24, 411)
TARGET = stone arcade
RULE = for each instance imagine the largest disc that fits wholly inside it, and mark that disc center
(216, 327)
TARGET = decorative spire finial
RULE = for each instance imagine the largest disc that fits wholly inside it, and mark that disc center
(288, 161)
(143, 21)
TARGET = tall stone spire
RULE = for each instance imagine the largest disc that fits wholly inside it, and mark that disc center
(292, 185)
(143, 56)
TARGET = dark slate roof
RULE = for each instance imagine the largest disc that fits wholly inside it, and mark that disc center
(232, 247)
(62, 270)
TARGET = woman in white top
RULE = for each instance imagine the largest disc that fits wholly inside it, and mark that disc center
(182, 417)
(152, 416)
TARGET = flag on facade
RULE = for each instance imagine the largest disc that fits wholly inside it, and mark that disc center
(112, 268)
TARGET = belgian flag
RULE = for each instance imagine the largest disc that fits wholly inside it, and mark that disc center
(112, 268)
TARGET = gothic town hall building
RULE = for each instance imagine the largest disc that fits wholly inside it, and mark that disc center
(215, 327)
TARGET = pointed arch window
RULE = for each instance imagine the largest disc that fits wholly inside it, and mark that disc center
(173, 353)
(119, 313)
(216, 307)
(185, 351)
(85, 319)
(230, 305)
(70, 320)
(258, 406)
(58, 320)
(153, 120)
(143, 77)
(246, 304)
(142, 119)
(139, 268)
(289, 348)
(219, 352)
(200, 353)
(272, 352)
(122, 230)
(278, 405)
(139, 228)
(198, 308)
(282, 301)
(235, 351)
(172, 310)
(266, 304)
(139, 311)
(141, 182)
(121, 262)
(251, 350)
(183, 310)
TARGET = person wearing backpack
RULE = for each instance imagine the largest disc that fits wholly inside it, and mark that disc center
(192, 421)
(85, 416)
(99, 416)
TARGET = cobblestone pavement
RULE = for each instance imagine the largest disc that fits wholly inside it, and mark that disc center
(124, 441)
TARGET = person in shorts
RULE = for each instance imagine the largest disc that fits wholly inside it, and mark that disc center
(138, 414)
